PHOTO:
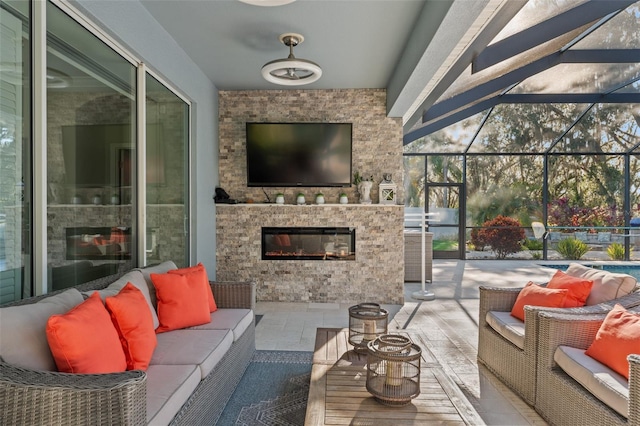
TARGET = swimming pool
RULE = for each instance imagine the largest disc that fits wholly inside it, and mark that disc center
(633, 270)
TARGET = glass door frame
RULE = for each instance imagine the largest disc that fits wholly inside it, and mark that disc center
(39, 263)
(453, 254)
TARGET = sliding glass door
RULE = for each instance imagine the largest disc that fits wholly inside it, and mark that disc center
(15, 152)
(167, 179)
(91, 152)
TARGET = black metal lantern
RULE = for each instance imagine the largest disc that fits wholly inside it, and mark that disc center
(367, 321)
(393, 369)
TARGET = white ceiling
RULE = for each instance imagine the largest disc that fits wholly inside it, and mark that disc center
(405, 46)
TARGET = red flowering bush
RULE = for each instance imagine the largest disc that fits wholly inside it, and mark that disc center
(477, 240)
(503, 234)
(562, 213)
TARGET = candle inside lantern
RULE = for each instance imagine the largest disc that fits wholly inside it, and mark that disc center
(369, 329)
(394, 373)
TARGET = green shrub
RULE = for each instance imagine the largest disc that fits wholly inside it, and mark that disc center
(616, 251)
(572, 248)
(536, 255)
(533, 244)
(503, 234)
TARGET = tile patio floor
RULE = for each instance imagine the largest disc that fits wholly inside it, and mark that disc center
(450, 323)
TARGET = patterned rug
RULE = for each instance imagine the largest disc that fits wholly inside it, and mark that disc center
(272, 392)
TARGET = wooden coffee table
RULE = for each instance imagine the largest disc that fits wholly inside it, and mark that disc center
(337, 393)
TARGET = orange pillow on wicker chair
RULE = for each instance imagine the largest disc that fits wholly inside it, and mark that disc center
(84, 340)
(579, 288)
(618, 337)
(533, 294)
(198, 272)
(181, 302)
(131, 316)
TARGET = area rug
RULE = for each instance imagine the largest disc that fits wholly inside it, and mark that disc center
(272, 392)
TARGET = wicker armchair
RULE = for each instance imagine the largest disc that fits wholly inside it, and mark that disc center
(514, 366)
(559, 398)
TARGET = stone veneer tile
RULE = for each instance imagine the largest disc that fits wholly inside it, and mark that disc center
(377, 275)
(376, 147)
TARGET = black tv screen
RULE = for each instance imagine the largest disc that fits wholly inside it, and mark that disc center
(298, 154)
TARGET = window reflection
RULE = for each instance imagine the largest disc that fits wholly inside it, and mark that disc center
(90, 155)
(166, 172)
(15, 156)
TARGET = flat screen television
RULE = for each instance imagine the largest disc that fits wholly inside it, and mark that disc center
(298, 154)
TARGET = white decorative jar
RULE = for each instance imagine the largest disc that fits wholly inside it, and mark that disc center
(300, 199)
(320, 199)
(97, 200)
(344, 199)
(280, 199)
(115, 200)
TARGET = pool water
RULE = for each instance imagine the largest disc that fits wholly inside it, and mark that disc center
(633, 270)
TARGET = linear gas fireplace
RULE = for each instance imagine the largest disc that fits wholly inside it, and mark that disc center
(308, 244)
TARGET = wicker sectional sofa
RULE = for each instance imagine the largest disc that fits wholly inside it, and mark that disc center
(508, 347)
(588, 392)
(191, 376)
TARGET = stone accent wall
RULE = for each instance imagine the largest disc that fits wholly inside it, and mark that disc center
(377, 139)
(377, 274)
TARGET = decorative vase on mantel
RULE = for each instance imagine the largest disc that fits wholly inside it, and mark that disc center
(364, 189)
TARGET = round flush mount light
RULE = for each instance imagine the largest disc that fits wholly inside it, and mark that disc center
(291, 71)
(267, 2)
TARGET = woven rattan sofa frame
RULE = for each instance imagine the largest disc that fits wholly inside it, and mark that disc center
(44, 397)
(516, 367)
(560, 399)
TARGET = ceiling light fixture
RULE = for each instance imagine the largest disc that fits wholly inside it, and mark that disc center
(291, 71)
(267, 2)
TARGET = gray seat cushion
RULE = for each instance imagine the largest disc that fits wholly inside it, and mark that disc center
(136, 278)
(204, 348)
(603, 383)
(161, 268)
(237, 320)
(168, 388)
(606, 285)
(23, 336)
(509, 327)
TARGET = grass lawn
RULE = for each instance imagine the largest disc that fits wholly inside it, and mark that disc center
(445, 245)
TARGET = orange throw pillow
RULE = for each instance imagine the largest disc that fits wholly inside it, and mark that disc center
(181, 302)
(198, 272)
(579, 288)
(535, 295)
(131, 317)
(618, 336)
(84, 340)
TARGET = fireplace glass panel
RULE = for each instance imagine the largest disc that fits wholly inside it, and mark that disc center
(308, 243)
